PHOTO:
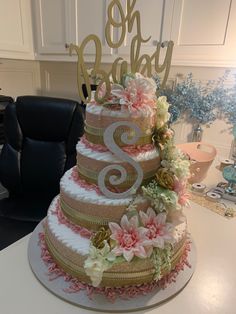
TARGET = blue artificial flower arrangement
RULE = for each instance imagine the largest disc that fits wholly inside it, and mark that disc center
(200, 103)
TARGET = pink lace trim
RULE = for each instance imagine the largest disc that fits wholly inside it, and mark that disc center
(132, 150)
(111, 294)
(88, 186)
(64, 221)
(82, 183)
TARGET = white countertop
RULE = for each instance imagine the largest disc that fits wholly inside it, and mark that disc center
(211, 289)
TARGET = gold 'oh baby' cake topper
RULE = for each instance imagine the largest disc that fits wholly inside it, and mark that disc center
(138, 63)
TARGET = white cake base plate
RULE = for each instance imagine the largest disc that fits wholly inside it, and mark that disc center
(100, 303)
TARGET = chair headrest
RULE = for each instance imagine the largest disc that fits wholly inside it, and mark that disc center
(45, 118)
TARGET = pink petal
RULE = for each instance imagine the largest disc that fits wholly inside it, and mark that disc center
(149, 250)
(161, 218)
(147, 243)
(159, 242)
(141, 252)
(117, 251)
(134, 222)
(125, 224)
(168, 238)
(142, 233)
(128, 255)
(118, 91)
(151, 213)
(169, 227)
(144, 217)
(114, 227)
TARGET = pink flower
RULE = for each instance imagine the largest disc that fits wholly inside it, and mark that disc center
(181, 190)
(102, 91)
(159, 231)
(130, 238)
(138, 92)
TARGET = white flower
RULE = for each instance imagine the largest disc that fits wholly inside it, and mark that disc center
(89, 71)
(162, 111)
(99, 260)
(138, 75)
(133, 205)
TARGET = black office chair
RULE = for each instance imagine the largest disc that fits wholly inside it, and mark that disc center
(41, 136)
(4, 101)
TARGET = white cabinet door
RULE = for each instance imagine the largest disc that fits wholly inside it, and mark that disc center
(152, 18)
(16, 29)
(204, 32)
(62, 22)
(92, 18)
(55, 25)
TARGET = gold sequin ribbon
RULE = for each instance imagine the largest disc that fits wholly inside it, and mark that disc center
(92, 177)
(87, 221)
(95, 135)
(111, 278)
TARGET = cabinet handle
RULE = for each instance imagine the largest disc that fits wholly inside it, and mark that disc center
(164, 44)
(67, 45)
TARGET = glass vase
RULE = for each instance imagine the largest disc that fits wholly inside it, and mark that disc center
(229, 174)
(197, 134)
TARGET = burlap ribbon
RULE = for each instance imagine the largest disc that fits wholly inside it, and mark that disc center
(92, 177)
(95, 135)
(111, 278)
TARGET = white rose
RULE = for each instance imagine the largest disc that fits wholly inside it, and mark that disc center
(162, 111)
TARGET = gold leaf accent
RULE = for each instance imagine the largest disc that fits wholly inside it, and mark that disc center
(101, 236)
(165, 178)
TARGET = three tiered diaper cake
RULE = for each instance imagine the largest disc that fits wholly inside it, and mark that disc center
(117, 227)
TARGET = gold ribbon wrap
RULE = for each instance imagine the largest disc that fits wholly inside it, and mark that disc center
(80, 211)
(104, 119)
(92, 177)
(95, 136)
(90, 222)
(118, 275)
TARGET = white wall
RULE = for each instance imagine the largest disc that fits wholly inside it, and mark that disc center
(19, 77)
